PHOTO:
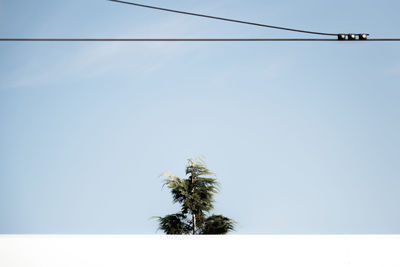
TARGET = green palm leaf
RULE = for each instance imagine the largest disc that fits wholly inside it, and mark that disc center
(196, 196)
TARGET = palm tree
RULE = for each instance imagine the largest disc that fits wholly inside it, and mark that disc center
(196, 196)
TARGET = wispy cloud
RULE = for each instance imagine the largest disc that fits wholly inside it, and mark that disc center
(260, 71)
(99, 59)
(394, 70)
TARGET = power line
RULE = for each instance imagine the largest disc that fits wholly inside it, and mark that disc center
(225, 19)
(341, 37)
(189, 40)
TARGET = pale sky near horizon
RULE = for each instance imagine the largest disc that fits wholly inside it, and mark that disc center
(304, 137)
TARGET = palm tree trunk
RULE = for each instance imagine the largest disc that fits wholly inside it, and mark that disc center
(193, 215)
(194, 223)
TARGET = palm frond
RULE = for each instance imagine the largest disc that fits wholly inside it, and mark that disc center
(217, 225)
(196, 196)
(173, 224)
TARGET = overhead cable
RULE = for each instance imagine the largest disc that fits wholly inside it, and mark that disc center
(187, 40)
(225, 19)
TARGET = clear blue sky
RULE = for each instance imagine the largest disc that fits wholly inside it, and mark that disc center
(303, 137)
